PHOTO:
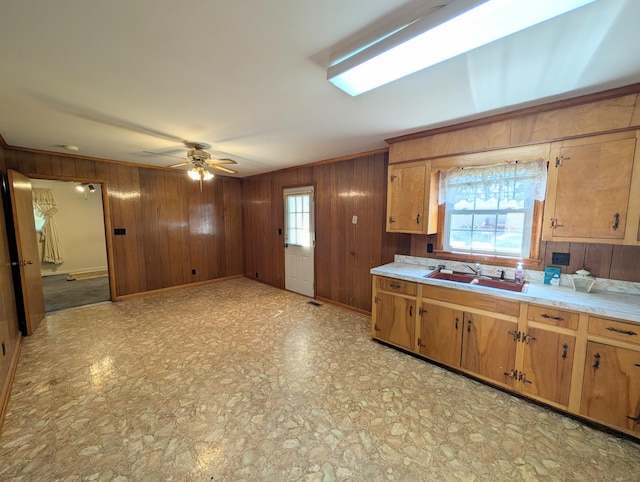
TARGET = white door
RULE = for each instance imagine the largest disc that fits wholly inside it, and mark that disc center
(299, 240)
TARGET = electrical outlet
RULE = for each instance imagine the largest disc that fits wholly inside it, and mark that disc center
(429, 247)
(560, 259)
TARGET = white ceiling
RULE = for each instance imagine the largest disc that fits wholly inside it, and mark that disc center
(248, 77)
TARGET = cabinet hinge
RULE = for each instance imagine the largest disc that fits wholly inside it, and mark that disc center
(523, 378)
(393, 178)
(391, 220)
(516, 335)
(512, 374)
(560, 160)
(420, 343)
(421, 310)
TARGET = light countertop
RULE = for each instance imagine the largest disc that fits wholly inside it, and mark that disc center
(624, 306)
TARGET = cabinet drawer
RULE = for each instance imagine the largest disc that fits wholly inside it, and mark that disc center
(615, 329)
(397, 286)
(552, 316)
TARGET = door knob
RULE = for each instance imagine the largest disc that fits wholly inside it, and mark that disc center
(21, 263)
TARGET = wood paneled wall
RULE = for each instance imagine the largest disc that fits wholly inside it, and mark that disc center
(344, 252)
(171, 227)
(602, 260)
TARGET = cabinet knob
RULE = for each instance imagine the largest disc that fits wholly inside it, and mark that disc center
(565, 350)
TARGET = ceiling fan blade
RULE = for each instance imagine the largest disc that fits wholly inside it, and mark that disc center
(180, 164)
(221, 161)
(223, 169)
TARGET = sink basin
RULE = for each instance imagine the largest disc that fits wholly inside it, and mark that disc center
(468, 278)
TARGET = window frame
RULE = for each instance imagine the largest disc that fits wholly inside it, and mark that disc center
(485, 159)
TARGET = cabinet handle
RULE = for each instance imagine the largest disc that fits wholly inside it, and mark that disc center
(375, 327)
(393, 177)
(411, 311)
(596, 361)
(420, 343)
(512, 374)
(391, 220)
(635, 419)
(554, 318)
(394, 286)
(469, 325)
(527, 338)
(418, 220)
(515, 334)
(554, 223)
(622, 332)
(421, 311)
(565, 350)
(616, 223)
(457, 322)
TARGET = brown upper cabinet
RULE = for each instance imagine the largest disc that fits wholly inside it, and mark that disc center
(412, 198)
(593, 190)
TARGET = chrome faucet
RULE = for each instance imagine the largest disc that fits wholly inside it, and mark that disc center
(478, 269)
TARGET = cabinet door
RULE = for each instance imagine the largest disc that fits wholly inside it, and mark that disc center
(407, 189)
(395, 320)
(488, 347)
(440, 334)
(589, 190)
(547, 366)
(611, 387)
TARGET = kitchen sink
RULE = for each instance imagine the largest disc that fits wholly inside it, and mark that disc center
(487, 281)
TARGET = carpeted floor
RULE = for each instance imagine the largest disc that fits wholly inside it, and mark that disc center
(60, 294)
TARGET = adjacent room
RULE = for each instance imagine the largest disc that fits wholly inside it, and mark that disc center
(286, 240)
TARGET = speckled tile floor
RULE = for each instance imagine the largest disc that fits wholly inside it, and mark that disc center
(240, 381)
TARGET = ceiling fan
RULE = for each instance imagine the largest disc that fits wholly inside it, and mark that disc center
(203, 163)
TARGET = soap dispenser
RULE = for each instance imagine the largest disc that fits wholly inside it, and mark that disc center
(519, 274)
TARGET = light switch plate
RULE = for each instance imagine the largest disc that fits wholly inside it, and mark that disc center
(354, 219)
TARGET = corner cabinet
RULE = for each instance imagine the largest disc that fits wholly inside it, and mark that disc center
(593, 190)
(412, 198)
(576, 362)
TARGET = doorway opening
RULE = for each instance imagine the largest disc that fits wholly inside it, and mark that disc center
(300, 241)
(75, 271)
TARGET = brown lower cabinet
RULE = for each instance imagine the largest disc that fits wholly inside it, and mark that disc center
(440, 333)
(489, 348)
(611, 386)
(548, 365)
(529, 349)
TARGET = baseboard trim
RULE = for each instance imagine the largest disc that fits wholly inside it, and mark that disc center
(5, 393)
(342, 305)
(174, 288)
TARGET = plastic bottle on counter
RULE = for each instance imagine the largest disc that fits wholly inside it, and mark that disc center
(519, 274)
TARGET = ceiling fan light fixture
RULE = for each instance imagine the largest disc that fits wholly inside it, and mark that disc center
(194, 174)
(207, 176)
